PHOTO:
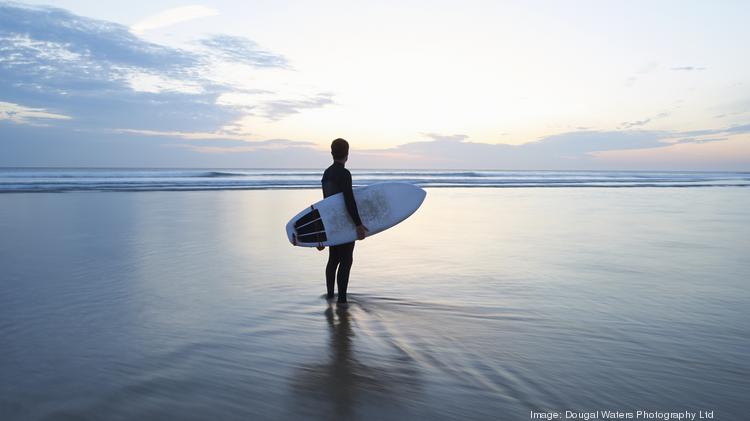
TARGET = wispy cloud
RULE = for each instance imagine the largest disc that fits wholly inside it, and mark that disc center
(259, 146)
(104, 76)
(636, 123)
(174, 134)
(734, 129)
(277, 109)
(242, 50)
(82, 67)
(738, 129)
(447, 138)
(172, 16)
(16, 113)
(701, 140)
(643, 122)
(687, 68)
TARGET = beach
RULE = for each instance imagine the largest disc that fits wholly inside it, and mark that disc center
(487, 303)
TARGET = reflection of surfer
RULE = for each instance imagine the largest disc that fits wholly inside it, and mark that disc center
(337, 179)
(345, 383)
(343, 369)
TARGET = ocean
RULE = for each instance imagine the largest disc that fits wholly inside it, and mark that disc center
(128, 298)
(103, 179)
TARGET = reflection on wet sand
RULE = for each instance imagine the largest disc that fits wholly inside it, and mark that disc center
(345, 386)
(193, 306)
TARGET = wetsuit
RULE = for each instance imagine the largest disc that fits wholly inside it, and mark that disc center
(337, 179)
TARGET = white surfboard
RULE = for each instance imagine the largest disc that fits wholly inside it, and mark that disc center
(380, 206)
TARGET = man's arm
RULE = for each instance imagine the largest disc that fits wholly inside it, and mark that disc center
(351, 205)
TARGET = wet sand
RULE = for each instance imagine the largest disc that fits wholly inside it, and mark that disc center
(486, 304)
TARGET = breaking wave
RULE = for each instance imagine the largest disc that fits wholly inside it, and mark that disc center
(102, 179)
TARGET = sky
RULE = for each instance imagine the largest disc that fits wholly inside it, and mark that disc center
(636, 85)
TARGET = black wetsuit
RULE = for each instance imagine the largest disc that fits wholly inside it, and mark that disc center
(337, 179)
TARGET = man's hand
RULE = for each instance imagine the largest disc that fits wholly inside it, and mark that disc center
(361, 230)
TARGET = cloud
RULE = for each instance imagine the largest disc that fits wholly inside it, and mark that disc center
(174, 134)
(171, 17)
(736, 129)
(687, 68)
(740, 129)
(636, 123)
(259, 146)
(242, 50)
(279, 108)
(447, 138)
(50, 58)
(701, 140)
(24, 145)
(103, 76)
(571, 150)
(639, 123)
(47, 36)
(227, 142)
(25, 115)
(576, 150)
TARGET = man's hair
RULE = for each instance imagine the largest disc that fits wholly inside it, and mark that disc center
(339, 148)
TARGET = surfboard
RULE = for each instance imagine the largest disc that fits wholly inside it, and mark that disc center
(380, 206)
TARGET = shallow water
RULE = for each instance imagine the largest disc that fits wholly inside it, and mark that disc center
(485, 304)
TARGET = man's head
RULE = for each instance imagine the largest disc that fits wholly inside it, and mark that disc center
(339, 149)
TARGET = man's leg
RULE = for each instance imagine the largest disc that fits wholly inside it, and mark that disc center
(333, 262)
(346, 258)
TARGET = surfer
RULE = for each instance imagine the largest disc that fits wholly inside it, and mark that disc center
(337, 179)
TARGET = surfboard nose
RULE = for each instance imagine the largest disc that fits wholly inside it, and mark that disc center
(407, 198)
(409, 195)
(423, 195)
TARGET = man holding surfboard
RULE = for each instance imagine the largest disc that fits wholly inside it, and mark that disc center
(337, 179)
